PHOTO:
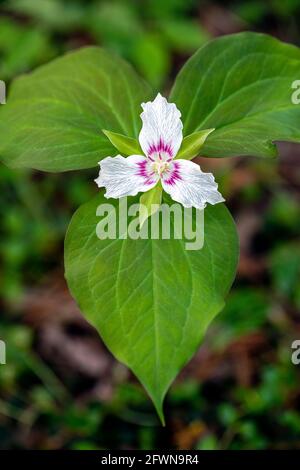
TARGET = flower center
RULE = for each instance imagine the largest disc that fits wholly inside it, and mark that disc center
(160, 167)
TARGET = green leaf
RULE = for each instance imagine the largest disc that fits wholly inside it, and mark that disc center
(22, 48)
(241, 85)
(151, 57)
(150, 202)
(125, 145)
(150, 300)
(53, 117)
(192, 144)
(184, 35)
(52, 14)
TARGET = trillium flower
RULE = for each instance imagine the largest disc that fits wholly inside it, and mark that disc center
(160, 139)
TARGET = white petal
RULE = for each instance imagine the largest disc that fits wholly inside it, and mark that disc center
(126, 176)
(187, 184)
(162, 128)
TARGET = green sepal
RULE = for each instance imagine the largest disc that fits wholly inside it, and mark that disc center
(192, 144)
(125, 145)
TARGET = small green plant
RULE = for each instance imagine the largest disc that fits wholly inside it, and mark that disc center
(150, 299)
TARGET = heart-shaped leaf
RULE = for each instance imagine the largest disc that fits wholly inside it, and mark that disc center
(150, 300)
(54, 117)
(242, 86)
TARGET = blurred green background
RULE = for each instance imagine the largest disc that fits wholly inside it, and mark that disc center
(60, 387)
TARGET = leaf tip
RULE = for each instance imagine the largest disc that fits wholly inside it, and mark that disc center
(160, 412)
(273, 152)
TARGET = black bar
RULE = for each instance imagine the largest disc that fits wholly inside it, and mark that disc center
(140, 459)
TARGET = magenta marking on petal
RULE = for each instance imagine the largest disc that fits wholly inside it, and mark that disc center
(160, 147)
(142, 167)
(142, 171)
(174, 175)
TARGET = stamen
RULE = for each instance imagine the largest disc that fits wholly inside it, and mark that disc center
(160, 167)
